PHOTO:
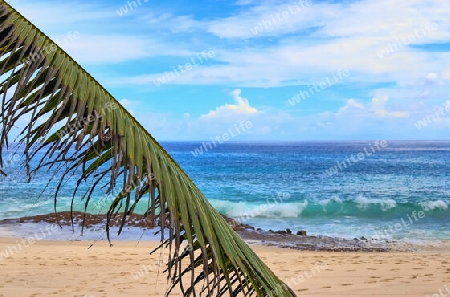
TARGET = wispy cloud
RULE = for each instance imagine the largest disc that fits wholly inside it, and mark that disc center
(53, 16)
(382, 97)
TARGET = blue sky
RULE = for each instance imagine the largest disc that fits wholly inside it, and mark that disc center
(368, 69)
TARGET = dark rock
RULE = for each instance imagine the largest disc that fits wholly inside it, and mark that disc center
(301, 232)
(363, 238)
(280, 232)
(288, 231)
(247, 226)
(236, 225)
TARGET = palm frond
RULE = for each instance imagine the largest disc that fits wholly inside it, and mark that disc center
(87, 133)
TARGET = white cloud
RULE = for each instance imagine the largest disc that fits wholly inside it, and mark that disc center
(352, 104)
(242, 107)
(432, 79)
(375, 109)
(362, 115)
(386, 18)
(104, 37)
(378, 103)
(293, 63)
(55, 15)
(342, 38)
(91, 48)
(173, 23)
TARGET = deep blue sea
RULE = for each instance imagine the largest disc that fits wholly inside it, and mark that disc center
(392, 190)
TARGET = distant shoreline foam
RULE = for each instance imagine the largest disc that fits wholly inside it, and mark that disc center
(136, 229)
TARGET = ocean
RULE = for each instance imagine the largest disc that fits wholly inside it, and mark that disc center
(390, 190)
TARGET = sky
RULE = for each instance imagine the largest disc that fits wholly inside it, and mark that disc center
(296, 70)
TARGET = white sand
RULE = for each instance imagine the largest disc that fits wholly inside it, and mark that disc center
(61, 268)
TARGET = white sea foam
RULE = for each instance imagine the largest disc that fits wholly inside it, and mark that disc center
(325, 202)
(385, 204)
(270, 209)
(432, 205)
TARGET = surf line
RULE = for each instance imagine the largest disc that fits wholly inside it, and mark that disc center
(262, 208)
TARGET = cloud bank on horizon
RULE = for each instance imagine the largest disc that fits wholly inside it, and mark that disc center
(189, 71)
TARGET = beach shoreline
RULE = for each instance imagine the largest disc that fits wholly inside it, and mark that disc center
(91, 227)
(33, 232)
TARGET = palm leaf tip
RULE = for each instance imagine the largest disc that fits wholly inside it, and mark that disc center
(112, 150)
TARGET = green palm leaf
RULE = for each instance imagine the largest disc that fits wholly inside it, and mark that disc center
(87, 133)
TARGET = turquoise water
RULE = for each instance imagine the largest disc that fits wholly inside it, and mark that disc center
(399, 191)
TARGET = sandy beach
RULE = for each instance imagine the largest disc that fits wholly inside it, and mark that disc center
(63, 268)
